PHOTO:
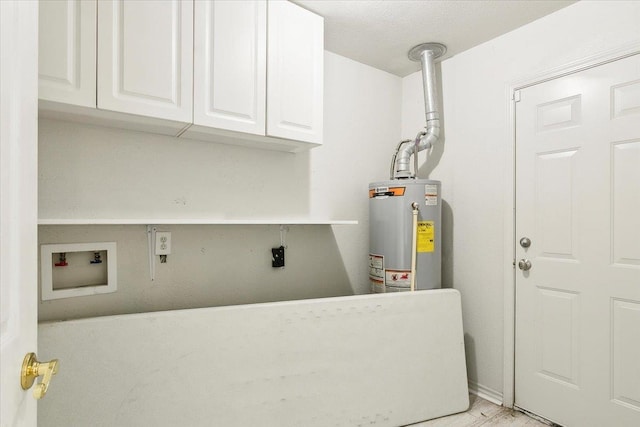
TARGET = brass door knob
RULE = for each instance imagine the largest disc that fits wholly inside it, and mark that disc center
(32, 369)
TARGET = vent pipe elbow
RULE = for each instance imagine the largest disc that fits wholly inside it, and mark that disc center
(426, 53)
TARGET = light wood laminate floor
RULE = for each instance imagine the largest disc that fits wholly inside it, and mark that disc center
(484, 413)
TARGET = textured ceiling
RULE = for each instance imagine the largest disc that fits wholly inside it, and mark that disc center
(381, 32)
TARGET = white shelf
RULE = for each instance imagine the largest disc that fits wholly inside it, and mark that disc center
(191, 221)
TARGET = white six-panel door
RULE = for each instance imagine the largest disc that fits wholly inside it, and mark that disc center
(67, 51)
(145, 58)
(578, 201)
(230, 57)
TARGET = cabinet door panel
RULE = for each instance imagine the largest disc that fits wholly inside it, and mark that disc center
(67, 52)
(295, 77)
(230, 65)
(145, 53)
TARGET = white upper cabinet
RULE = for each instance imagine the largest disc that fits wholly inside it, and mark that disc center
(295, 73)
(67, 52)
(258, 70)
(230, 53)
(244, 72)
(145, 58)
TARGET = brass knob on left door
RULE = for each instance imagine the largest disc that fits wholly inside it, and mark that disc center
(32, 369)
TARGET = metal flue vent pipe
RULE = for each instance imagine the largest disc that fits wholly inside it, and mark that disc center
(426, 53)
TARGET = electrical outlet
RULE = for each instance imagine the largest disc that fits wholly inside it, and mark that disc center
(277, 257)
(163, 243)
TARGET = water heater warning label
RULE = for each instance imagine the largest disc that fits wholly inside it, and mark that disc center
(398, 278)
(376, 267)
(431, 195)
(376, 272)
(426, 236)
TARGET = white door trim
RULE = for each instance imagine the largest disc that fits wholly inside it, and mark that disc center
(508, 386)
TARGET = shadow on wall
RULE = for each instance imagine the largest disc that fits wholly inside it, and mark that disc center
(210, 265)
(447, 246)
(470, 353)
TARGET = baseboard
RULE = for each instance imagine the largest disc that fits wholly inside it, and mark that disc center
(485, 393)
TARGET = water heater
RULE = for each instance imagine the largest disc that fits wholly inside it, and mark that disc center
(405, 212)
(392, 236)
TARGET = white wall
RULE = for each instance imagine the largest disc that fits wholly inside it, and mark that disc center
(473, 162)
(87, 171)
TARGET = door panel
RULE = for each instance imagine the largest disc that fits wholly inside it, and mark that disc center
(230, 69)
(578, 200)
(625, 209)
(145, 58)
(559, 335)
(296, 68)
(554, 203)
(626, 353)
(67, 52)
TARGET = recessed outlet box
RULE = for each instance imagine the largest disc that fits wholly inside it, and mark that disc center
(77, 269)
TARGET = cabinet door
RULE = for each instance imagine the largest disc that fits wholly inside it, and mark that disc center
(67, 52)
(230, 65)
(295, 78)
(145, 57)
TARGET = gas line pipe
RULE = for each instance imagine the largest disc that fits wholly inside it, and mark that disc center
(414, 249)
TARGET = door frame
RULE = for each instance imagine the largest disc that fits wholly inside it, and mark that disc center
(509, 354)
